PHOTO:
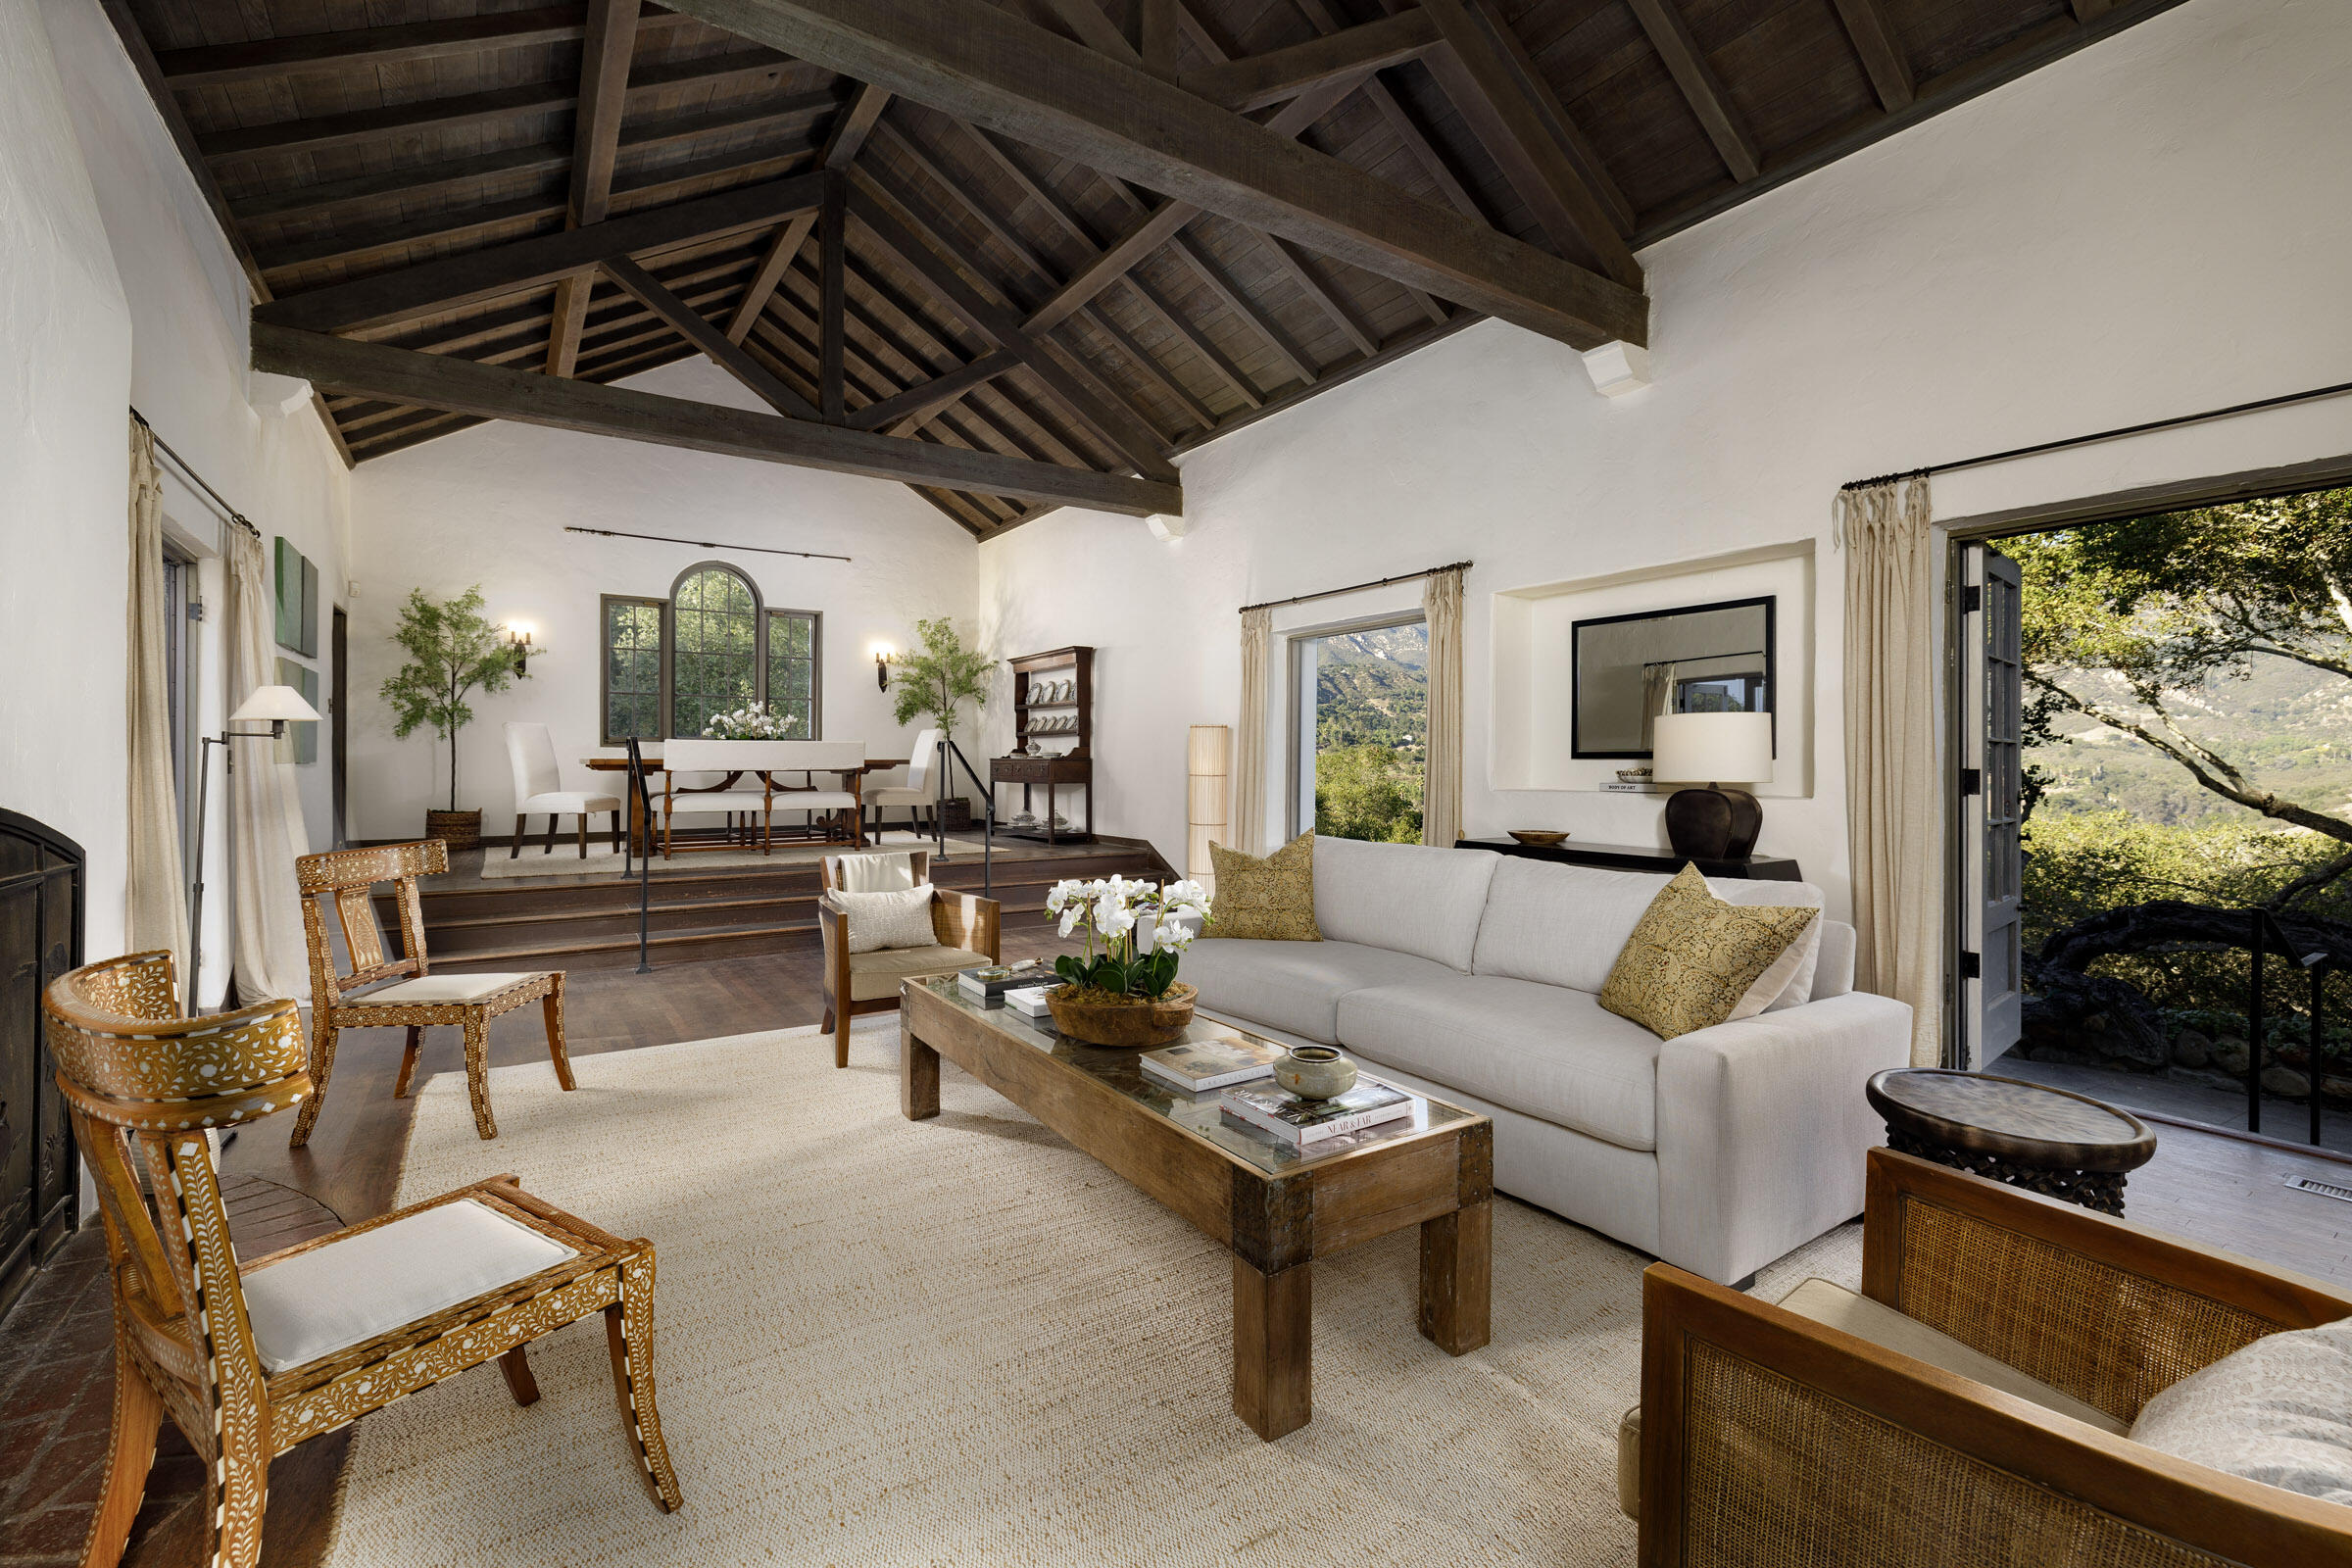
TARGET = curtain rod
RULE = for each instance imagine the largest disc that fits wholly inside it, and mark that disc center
(704, 544)
(188, 470)
(2104, 435)
(1357, 587)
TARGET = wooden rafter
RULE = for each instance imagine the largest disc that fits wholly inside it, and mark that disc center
(689, 323)
(1880, 51)
(833, 238)
(972, 61)
(609, 46)
(1258, 81)
(1670, 35)
(460, 386)
(408, 43)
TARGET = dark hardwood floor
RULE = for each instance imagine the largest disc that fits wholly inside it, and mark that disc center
(55, 1363)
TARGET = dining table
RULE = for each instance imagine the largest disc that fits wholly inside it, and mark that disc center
(640, 834)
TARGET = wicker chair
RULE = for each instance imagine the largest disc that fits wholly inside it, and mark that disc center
(421, 1000)
(965, 925)
(1782, 1440)
(249, 1358)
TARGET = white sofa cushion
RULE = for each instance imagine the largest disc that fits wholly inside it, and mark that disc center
(1551, 1052)
(335, 1297)
(1564, 925)
(1296, 986)
(1407, 898)
(2275, 1412)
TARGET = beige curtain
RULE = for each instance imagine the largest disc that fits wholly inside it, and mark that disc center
(265, 817)
(1893, 643)
(1442, 786)
(159, 908)
(1249, 811)
(1657, 690)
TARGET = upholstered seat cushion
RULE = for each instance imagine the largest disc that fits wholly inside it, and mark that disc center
(335, 1297)
(1543, 1051)
(442, 988)
(2278, 1411)
(815, 800)
(564, 801)
(681, 805)
(874, 976)
(1295, 987)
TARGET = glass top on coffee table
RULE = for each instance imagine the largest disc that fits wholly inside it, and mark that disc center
(1197, 1114)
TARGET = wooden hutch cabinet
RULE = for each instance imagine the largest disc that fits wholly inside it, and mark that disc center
(1053, 736)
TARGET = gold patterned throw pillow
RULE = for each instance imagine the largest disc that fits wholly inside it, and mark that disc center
(1269, 900)
(1695, 962)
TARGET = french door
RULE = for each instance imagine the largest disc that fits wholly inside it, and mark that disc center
(1991, 853)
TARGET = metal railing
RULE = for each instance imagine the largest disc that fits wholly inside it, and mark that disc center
(938, 814)
(2268, 937)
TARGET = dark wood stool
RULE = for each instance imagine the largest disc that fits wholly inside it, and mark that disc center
(2044, 1140)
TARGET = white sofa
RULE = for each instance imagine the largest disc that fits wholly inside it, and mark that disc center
(1476, 977)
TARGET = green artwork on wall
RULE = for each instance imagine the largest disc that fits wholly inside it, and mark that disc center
(297, 600)
(300, 742)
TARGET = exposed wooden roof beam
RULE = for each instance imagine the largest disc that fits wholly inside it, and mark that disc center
(497, 269)
(1095, 30)
(902, 412)
(1478, 75)
(1256, 81)
(832, 286)
(772, 268)
(976, 63)
(459, 386)
(1670, 35)
(1204, 267)
(1157, 26)
(1303, 274)
(1402, 119)
(2087, 12)
(856, 122)
(610, 44)
(688, 322)
(308, 53)
(1882, 51)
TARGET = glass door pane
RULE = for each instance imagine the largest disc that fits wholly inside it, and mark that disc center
(1361, 704)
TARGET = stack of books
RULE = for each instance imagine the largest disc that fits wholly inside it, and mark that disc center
(1306, 1122)
(1030, 1001)
(1197, 1066)
(990, 983)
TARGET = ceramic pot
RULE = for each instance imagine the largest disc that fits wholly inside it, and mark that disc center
(1124, 1026)
(460, 830)
(1315, 1072)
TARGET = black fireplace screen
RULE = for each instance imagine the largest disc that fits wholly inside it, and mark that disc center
(40, 939)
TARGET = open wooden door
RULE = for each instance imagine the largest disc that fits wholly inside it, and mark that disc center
(1991, 857)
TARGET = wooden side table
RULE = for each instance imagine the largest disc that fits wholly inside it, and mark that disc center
(2046, 1140)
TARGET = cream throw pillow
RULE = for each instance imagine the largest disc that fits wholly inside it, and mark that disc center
(879, 920)
(1695, 962)
(2279, 1411)
(1266, 900)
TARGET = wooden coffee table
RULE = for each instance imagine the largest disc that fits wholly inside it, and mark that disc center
(1276, 1208)
(2047, 1140)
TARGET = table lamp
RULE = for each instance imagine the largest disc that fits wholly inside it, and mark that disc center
(1712, 823)
(275, 705)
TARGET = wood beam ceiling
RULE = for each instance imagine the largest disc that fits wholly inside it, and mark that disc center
(1258, 80)
(979, 64)
(605, 51)
(460, 386)
(1670, 35)
(1880, 51)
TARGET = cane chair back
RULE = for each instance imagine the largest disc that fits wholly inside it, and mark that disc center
(140, 1080)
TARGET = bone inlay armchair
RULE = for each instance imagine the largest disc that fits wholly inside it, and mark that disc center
(249, 1358)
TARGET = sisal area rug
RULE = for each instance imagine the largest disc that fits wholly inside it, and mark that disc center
(961, 1342)
(604, 860)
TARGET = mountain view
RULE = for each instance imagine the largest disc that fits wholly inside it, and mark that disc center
(1371, 716)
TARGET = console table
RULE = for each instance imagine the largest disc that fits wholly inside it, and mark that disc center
(1636, 857)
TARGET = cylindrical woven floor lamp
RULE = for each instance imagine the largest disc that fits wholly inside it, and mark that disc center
(1208, 761)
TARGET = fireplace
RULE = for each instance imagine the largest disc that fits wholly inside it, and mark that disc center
(40, 939)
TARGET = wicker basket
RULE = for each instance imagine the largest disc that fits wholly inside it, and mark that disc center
(460, 830)
(1124, 1026)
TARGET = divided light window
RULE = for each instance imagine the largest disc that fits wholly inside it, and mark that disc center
(669, 665)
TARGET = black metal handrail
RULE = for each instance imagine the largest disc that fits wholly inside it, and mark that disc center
(2268, 935)
(641, 797)
(988, 808)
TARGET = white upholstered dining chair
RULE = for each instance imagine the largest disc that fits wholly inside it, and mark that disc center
(539, 787)
(761, 796)
(917, 794)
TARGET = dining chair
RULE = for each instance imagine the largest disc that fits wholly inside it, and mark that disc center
(539, 787)
(916, 793)
(250, 1358)
(965, 928)
(765, 760)
(418, 997)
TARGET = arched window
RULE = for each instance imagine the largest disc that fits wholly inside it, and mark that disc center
(715, 621)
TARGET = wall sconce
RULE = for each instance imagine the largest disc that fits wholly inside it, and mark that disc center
(882, 656)
(518, 641)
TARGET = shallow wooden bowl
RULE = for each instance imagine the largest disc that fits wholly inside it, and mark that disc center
(1135, 1026)
(1543, 837)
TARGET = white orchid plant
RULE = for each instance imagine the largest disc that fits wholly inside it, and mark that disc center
(1135, 932)
(754, 721)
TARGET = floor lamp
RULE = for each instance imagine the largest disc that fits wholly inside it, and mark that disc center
(278, 706)
(1208, 758)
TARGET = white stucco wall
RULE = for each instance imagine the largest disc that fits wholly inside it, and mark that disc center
(489, 506)
(2159, 225)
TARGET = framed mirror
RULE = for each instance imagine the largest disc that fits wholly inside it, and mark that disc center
(1700, 658)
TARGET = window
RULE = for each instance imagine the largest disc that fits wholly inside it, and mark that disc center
(632, 700)
(669, 665)
(1359, 729)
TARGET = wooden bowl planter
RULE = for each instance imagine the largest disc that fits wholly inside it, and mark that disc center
(1129, 1023)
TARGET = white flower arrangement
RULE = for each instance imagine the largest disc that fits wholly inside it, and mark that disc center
(755, 721)
(1143, 928)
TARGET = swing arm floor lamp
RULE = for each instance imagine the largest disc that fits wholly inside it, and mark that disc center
(278, 706)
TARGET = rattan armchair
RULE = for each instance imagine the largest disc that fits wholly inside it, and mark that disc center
(251, 1357)
(967, 925)
(1768, 1437)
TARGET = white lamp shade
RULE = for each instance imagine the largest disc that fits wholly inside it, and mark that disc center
(1711, 748)
(272, 703)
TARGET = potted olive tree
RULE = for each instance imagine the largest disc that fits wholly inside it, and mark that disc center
(934, 682)
(453, 652)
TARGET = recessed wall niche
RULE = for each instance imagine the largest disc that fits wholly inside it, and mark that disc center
(1532, 738)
